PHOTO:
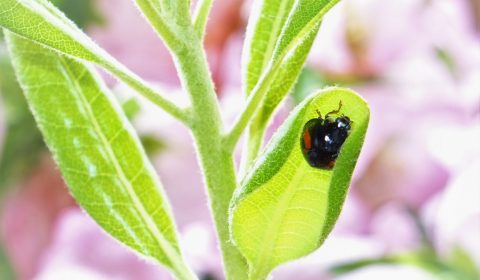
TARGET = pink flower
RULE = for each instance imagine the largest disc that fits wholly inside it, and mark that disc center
(79, 245)
(29, 215)
(453, 216)
(366, 38)
(395, 228)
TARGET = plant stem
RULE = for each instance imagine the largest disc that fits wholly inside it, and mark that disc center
(136, 83)
(185, 43)
(200, 17)
(216, 161)
(183, 272)
(218, 168)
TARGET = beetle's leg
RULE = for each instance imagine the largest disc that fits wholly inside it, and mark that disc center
(319, 114)
(335, 111)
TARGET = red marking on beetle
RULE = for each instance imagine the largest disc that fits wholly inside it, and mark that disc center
(307, 140)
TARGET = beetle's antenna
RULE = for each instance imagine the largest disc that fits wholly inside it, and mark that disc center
(335, 111)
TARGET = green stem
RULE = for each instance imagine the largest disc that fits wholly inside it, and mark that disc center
(136, 83)
(200, 17)
(183, 272)
(219, 171)
(216, 161)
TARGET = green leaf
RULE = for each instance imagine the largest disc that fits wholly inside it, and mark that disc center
(285, 208)
(263, 32)
(42, 22)
(97, 151)
(23, 143)
(279, 38)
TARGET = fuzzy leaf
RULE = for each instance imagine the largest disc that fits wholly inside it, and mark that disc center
(97, 151)
(23, 142)
(285, 208)
(281, 33)
(263, 31)
(41, 21)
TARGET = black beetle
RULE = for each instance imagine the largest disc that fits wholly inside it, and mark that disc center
(322, 138)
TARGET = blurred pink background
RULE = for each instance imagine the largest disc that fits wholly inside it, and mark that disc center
(416, 186)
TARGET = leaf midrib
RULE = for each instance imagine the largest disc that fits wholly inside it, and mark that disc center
(169, 251)
(271, 40)
(285, 200)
